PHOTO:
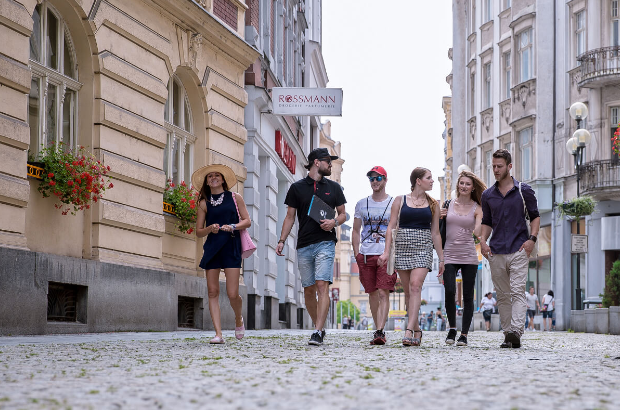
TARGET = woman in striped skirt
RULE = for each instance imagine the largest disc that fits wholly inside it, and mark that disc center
(418, 232)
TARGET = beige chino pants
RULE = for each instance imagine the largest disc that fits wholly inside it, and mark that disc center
(509, 274)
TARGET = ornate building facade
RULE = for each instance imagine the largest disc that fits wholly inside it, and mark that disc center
(154, 89)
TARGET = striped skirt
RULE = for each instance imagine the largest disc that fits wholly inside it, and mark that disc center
(414, 249)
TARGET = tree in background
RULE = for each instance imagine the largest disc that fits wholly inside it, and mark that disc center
(348, 309)
(611, 297)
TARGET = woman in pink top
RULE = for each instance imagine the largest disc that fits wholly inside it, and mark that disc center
(463, 217)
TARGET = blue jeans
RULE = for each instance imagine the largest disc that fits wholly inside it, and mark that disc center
(316, 262)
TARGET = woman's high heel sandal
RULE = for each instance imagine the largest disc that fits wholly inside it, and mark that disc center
(408, 341)
(417, 341)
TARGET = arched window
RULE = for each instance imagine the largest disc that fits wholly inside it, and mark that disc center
(179, 154)
(52, 102)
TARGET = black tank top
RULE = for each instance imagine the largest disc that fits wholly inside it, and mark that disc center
(415, 218)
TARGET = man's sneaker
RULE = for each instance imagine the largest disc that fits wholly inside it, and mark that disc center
(451, 336)
(511, 341)
(316, 339)
(462, 341)
(378, 338)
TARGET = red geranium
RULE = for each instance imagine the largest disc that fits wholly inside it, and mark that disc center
(181, 197)
(73, 176)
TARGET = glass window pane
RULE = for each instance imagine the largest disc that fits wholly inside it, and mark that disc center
(175, 161)
(67, 120)
(187, 170)
(527, 163)
(50, 113)
(35, 38)
(166, 156)
(188, 117)
(33, 115)
(52, 41)
(176, 101)
(68, 60)
(526, 136)
(615, 33)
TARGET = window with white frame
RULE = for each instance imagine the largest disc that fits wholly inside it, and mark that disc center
(580, 33)
(488, 98)
(472, 17)
(526, 151)
(615, 24)
(507, 4)
(472, 94)
(614, 119)
(508, 146)
(487, 10)
(525, 55)
(52, 101)
(179, 154)
(507, 74)
(488, 167)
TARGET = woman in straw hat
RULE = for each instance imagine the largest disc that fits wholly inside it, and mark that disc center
(218, 220)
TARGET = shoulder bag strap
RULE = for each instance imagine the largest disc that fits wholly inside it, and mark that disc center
(236, 207)
(527, 215)
(400, 210)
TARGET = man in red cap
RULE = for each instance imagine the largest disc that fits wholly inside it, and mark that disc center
(372, 216)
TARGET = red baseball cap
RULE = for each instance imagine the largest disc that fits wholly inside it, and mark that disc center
(379, 170)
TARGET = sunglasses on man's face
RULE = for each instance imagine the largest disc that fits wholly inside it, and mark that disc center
(378, 179)
(328, 160)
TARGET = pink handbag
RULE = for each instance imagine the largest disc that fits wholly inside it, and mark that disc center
(247, 245)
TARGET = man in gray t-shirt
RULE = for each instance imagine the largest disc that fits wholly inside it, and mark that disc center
(532, 304)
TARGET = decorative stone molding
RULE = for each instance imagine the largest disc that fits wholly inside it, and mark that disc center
(487, 118)
(504, 110)
(472, 127)
(195, 43)
(521, 92)
(450, 51)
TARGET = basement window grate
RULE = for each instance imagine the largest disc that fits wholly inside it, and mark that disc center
(186, 312)
(62, 300)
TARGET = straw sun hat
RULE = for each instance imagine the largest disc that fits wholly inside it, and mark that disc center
(200, 174)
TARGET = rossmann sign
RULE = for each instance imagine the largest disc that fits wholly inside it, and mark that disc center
(307, 101)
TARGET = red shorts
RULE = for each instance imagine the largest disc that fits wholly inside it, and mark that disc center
(372, 276)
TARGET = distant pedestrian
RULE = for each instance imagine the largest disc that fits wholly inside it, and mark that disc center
(487, 305)
(316, 241)
(345, 322)
(439, 319)
(365, 323)
(418, 233)
(548, 307)
(372, 216)
(463, 218)
(429, 320)
(221, 214)
(505, 206)
(531, 300)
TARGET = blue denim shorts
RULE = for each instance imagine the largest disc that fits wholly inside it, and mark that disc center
(316, 262)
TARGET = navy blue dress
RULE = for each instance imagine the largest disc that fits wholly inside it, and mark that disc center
(222, 249)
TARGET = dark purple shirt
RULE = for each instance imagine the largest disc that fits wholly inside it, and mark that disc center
(506, 216)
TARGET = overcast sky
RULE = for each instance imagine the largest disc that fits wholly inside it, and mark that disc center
(391, 60)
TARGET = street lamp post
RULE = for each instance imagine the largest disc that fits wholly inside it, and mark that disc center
(575, 146)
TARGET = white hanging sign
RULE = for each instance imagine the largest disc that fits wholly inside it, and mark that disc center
(307, 101)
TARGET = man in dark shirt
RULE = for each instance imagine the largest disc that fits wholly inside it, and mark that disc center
(316, 243)
(503, 213)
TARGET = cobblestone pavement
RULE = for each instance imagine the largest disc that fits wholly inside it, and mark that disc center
(278, 370)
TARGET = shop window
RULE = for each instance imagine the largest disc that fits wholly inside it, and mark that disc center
(52, 101)
(179, 154)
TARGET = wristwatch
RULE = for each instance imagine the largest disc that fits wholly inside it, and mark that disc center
(533, 238)
(282, 241)
(233, 226)
(336, 221)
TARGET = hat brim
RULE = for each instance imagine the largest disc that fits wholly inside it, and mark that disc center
(198, 177)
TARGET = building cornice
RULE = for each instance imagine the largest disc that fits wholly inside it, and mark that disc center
(194, 17)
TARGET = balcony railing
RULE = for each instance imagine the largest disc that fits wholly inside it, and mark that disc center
(599, 66)
(600, 175)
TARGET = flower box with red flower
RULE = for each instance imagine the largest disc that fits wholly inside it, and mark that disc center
(181, 201)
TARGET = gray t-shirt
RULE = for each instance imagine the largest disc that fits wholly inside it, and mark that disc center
(531, 301)
(375, 218)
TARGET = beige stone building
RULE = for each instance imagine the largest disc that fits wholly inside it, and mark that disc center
(155, 89)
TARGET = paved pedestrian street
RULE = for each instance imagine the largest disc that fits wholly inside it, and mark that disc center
(278, 370)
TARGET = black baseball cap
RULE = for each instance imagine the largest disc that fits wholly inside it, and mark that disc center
(318, 153)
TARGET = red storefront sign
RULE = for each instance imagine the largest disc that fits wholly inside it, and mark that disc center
(285, 152)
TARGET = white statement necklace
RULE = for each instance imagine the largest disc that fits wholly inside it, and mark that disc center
(216, 202)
